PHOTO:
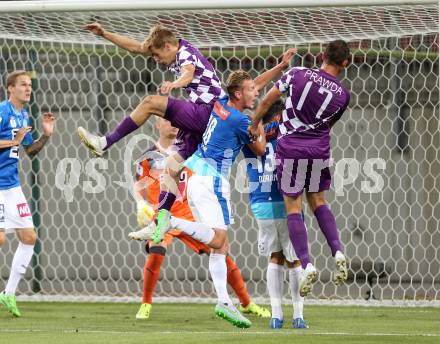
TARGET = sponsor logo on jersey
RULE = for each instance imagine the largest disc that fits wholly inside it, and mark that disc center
(221, 111)
(12, 122)
(284, 86)
(183, 180)
(23, 210)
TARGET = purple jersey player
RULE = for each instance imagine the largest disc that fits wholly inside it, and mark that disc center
(197, 76)
(315, 100)
(194, 73)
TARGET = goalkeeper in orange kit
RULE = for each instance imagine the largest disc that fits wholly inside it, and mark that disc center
(147, 189)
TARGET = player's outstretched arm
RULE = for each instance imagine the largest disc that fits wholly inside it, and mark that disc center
(121, 41)
(262, 80)
(48, 125)
(271, 97)
(17, 140)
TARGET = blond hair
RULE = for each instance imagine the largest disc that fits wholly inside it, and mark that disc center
(235, 81)
(157, 38)
(12, 77)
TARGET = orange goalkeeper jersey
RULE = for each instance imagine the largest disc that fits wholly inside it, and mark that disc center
(149, 171)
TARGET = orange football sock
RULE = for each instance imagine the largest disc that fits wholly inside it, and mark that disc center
(235, 280)
(152, 272)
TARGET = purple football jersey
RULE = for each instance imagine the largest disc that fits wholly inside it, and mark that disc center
(205, 87)
(315, 99)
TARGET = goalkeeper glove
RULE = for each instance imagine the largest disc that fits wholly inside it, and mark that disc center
(145, 213)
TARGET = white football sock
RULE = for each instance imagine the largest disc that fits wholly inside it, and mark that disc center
(218, 270)
(102, 142)
(275, 277)
(21, 260)
(197, 230)
(297, 301)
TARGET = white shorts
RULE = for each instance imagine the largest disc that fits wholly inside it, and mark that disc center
(273, 236)
(210, 200)
(14, 210)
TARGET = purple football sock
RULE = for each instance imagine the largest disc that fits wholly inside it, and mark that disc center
(125, 127)
(327, 223)
(166, 200)
(298, 237)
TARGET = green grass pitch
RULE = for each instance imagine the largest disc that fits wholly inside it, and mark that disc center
(109, 323)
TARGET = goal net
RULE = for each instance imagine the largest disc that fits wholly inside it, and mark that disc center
(386, 148)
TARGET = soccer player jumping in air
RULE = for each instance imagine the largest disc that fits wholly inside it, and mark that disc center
(197, 76)
(315, 101)
(199, 79)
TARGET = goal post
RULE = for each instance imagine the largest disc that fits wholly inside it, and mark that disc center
(134, 5)
(386, 148)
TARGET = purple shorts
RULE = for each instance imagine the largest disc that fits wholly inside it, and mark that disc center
(302, 167)
(191, 119)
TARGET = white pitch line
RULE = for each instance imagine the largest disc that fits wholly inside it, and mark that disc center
(398, 310)
(243, 332)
